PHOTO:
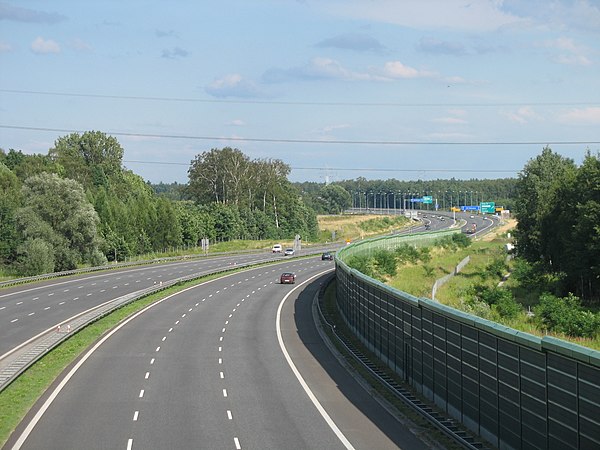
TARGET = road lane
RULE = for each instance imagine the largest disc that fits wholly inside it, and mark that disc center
(27, 310)
(202, 369)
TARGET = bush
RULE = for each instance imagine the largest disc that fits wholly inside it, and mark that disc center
(36, 257)
(407, 254)
(461, 240)
(565, 315)
(507, 307)
(496, 269)
(385, 262)
(363, 264)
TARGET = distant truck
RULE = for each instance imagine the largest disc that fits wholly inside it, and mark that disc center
(472, 228)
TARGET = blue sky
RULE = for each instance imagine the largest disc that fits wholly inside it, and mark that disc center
(406, 89)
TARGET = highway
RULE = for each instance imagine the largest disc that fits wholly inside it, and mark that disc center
(27, 310)
(211, 367)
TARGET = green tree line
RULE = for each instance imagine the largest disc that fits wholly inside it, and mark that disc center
(78, 205)
(558, 231)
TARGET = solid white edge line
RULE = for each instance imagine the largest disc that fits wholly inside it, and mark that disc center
(36, 418)
(307, 389)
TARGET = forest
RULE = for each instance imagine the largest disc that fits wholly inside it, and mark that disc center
(77, 205)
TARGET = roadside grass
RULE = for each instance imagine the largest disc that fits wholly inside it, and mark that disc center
(358, 226)
(418, 280)
(18, 398)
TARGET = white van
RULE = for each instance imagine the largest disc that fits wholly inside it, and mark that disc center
(277, 248)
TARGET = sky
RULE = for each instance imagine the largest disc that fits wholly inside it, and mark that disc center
(337, 89)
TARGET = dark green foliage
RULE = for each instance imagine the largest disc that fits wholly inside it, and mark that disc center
(406, 253)
(385, 262)
(393, 194)
(461, 240)
(501, 300)
(36, 256)
(497, 268)
(334, 199)
(56, 211)
(507, 307)
(363, 264)
(565, 315)
(558, 211)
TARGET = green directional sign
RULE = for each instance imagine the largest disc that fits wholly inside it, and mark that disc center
(488, 207)
(427, 199)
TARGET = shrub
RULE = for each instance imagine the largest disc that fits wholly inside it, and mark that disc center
(565, 315)
(407, 253)
(496, 268)
(461, 240)
(507, 306)
(36, 257)
(385, 262)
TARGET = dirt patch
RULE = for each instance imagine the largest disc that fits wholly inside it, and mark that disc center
(334, 222)
(507, 225)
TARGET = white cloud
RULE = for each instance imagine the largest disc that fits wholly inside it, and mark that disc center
(395, 69)
(43, 46)
(581, 116)
(5, 47)
(569, 52)
(329, 69)
(233, 85)
(523, 115)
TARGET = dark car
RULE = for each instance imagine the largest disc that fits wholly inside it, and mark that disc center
(326, 257)
(287, 278)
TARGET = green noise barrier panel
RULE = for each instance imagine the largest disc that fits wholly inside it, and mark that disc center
(516, 390)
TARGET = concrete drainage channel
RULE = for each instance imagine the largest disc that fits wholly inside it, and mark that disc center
(447, 426)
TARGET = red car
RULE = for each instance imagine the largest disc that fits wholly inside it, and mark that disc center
(287, 278)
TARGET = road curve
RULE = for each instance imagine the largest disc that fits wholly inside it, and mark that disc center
(29, 309)
(204, 369)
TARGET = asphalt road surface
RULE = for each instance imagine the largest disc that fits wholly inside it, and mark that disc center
(27, 310)
(211, 367)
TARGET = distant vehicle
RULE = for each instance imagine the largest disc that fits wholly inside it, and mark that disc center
(472, 217)
(277, 248)
(427, 226)
(472, 228)
(326, 257)
(287, 278)
(288, 252)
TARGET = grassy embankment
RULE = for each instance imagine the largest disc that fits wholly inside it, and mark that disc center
(417, 279)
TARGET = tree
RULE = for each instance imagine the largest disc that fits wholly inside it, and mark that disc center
(90, 158)
(335, 198)
(57, 211)
(10, 198)
(541, 191)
